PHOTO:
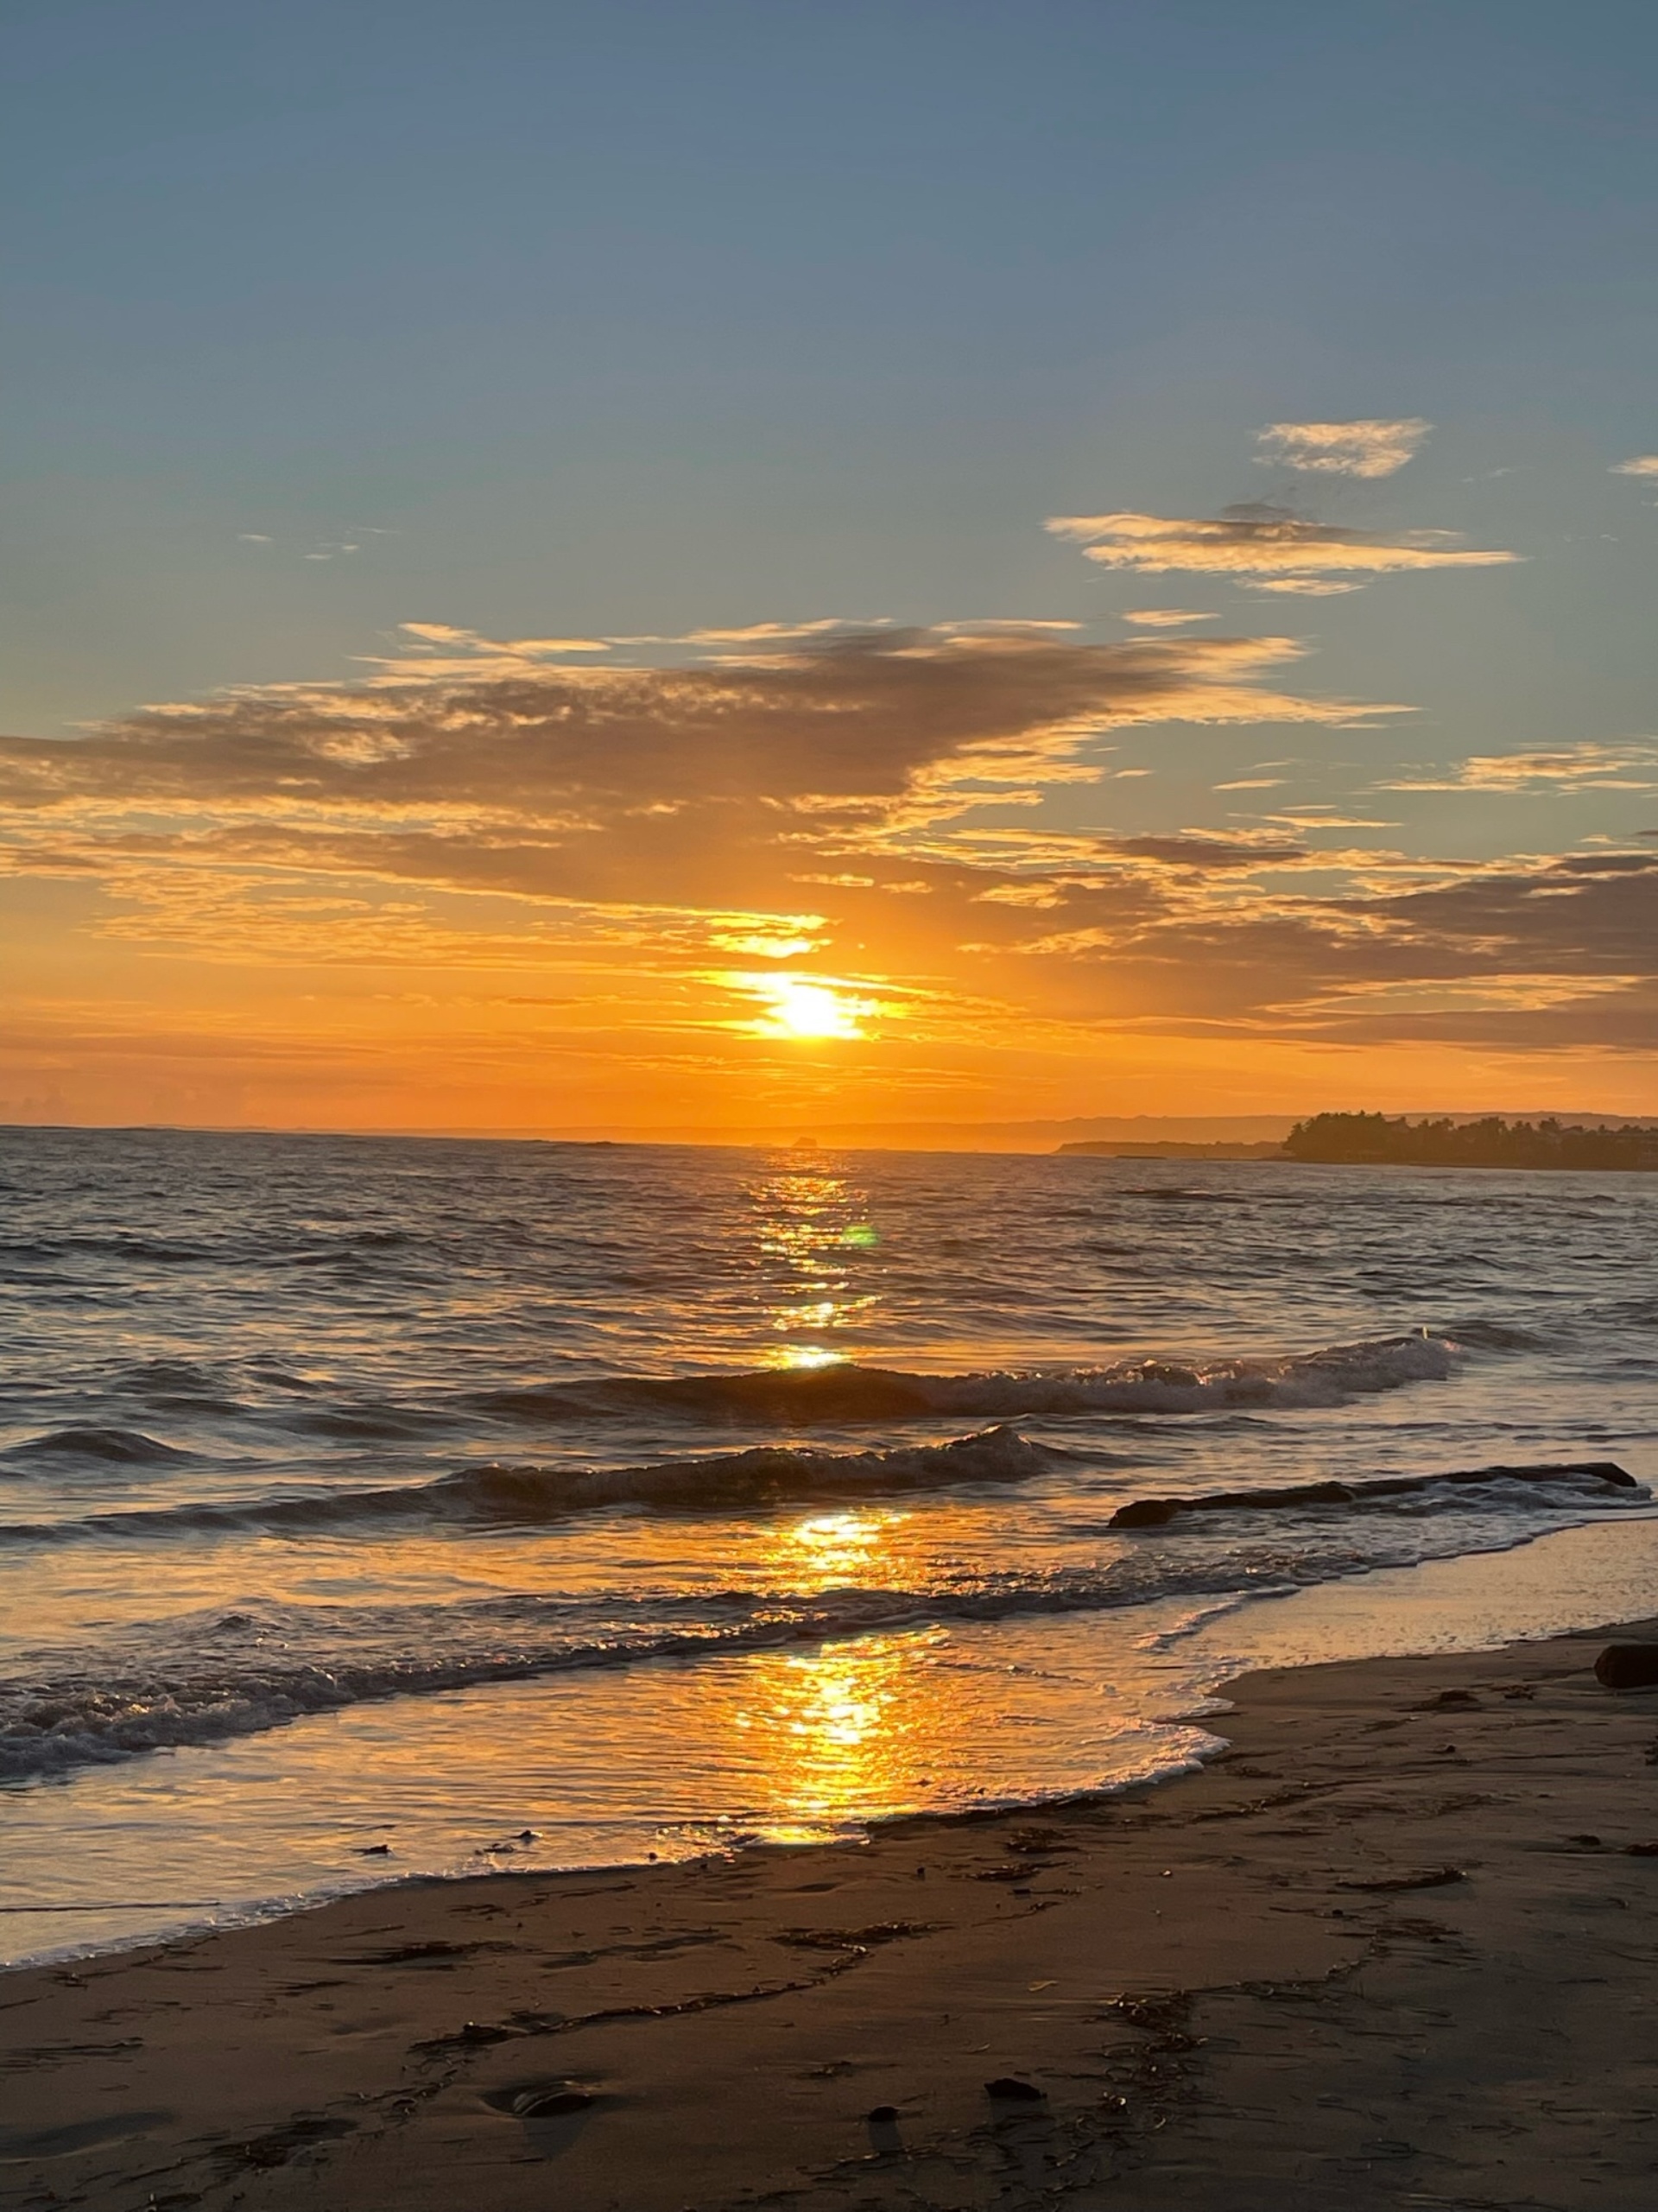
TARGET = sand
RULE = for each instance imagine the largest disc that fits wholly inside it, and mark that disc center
(1394, 1949)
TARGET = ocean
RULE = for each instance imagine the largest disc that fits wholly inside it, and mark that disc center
(378, 1507)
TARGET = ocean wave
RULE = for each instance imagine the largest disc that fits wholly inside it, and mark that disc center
(166, 1251)
(844, 1392)
(213, 1678)
(1604, 1480)
(776, 1475)
(1478, 1335)
(111, 1447)
(56, 1724)
(243, 1673)
(494, 1495)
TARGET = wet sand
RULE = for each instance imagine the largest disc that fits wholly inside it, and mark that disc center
(1398, 1946)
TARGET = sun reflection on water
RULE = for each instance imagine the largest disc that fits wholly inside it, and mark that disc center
(829, 1550)
(811, 1230)
(849, 1732)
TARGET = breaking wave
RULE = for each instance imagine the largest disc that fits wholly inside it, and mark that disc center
(766, 1475)
(485, 1495)
(847, 1392)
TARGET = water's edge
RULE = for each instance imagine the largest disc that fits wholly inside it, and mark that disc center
(1208, 1697)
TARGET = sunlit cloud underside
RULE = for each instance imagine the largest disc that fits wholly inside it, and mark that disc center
(532, 860)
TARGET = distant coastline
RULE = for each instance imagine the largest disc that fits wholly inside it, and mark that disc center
(1146, 1148)
(1244, 1136)
(1374, 1139)
(1381, 1140)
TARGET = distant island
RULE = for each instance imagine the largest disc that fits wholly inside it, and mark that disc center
(1374, 1139)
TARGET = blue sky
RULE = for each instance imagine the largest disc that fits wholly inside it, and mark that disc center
(661, 315)
(638, 319)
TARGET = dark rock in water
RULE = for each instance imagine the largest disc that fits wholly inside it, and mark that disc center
(1628, 1666)
(374, 1851)
(883, 2116)
(1150, 1513)
(551, 2104)
(1586, 1842)
(1013, 2090)
(1158, 1512)
(1641, 1850)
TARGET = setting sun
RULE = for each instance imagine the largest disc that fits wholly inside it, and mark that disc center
(799, 1008)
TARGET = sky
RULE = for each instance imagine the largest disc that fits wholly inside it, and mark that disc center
(749, 565)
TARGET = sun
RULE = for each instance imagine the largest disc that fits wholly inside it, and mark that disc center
(798, 1007)
(812, 1010)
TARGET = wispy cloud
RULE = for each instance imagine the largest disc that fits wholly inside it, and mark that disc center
(1572, 768)
(1266, 548)
(1373, 446)
(1638, 465)
(476, 646)
(1012, 625)
(1166, 618)
(761, 633)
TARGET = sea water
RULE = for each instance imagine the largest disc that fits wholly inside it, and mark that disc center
(376, 1508)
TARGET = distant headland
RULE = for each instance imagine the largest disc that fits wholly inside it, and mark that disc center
(1489, 1142)
(1381, 1140)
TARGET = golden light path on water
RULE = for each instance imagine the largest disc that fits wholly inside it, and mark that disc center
(850, 1731)
(845, 1730)
(838, 1728)
(807, 1223)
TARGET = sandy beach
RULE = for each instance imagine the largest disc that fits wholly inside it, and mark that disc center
(1395, 1946)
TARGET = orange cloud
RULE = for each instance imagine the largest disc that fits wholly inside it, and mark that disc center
(1269, 549)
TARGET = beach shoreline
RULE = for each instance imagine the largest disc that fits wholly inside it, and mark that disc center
(1300, 1969)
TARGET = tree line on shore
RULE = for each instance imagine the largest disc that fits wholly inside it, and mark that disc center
(1491, 1142)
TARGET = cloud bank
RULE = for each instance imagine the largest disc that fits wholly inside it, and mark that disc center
(854, 721)
(875, 802)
